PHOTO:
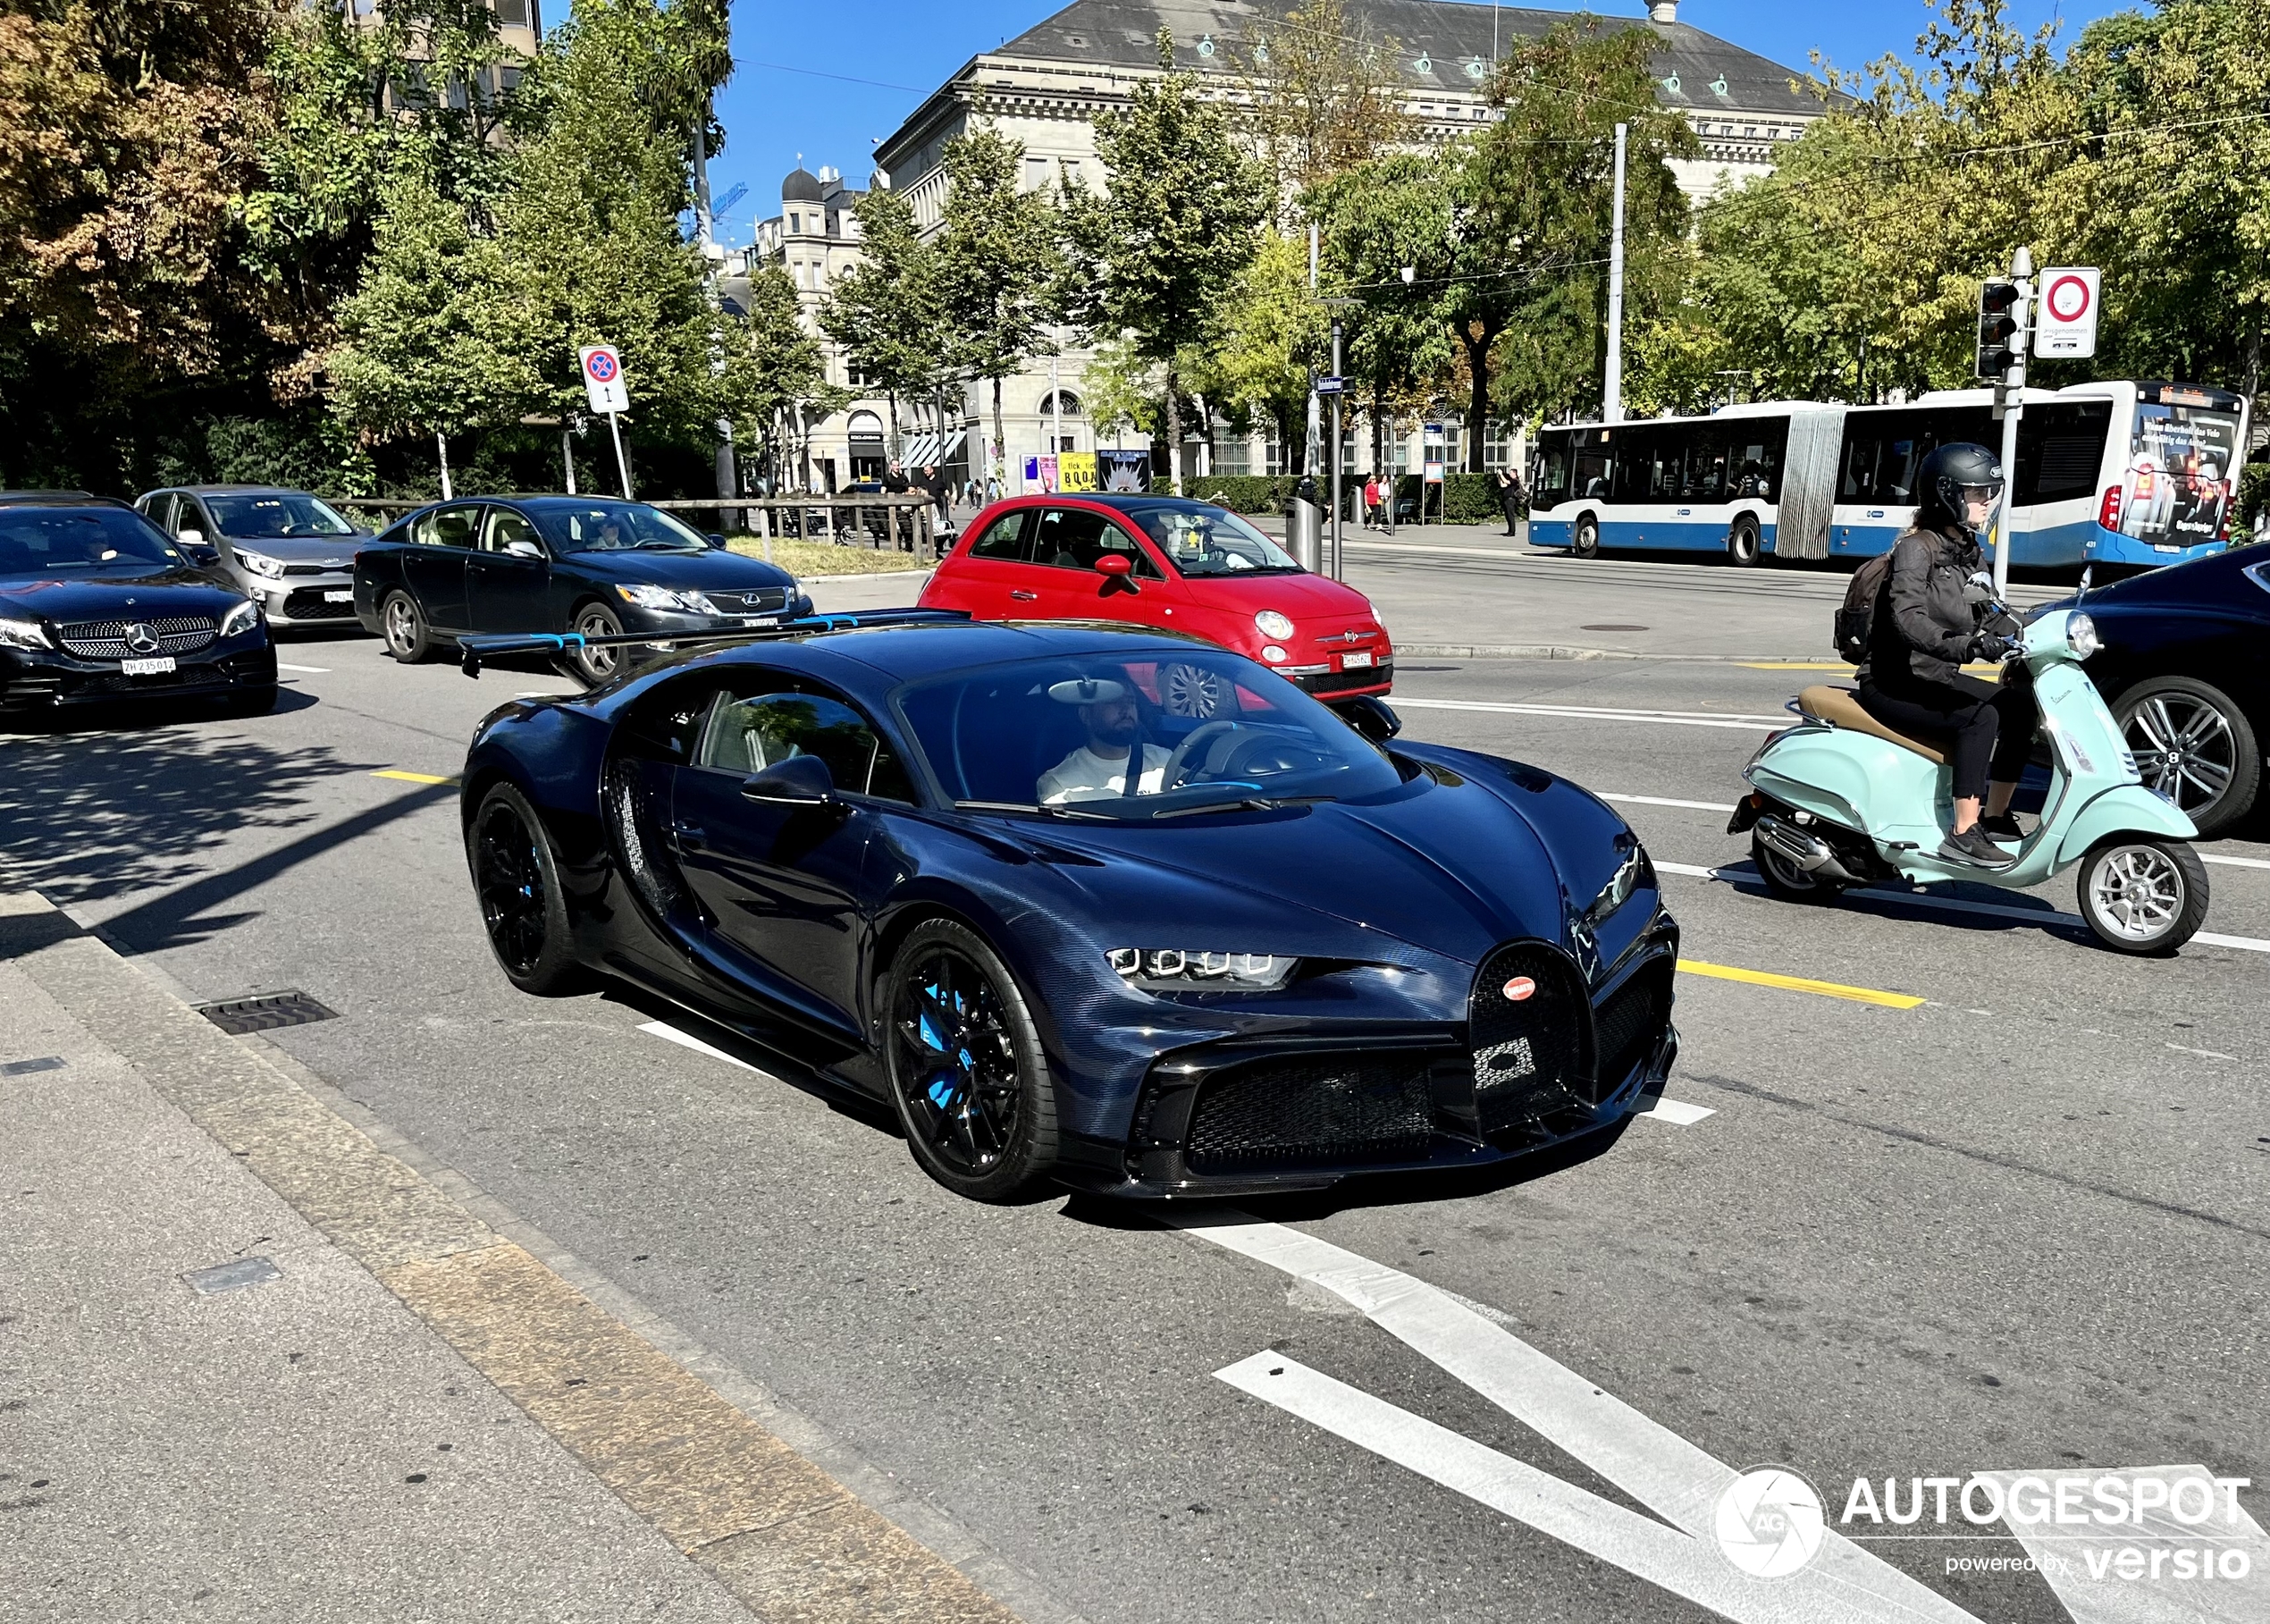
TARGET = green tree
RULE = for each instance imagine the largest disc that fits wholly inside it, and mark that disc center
(1159, 255)
(778, 366)
(998, 265)
(887, 313)
(1321, 97)
(1272, 330)
(1394, 213)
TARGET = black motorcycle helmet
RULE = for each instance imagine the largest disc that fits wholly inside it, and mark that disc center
(1950, 479)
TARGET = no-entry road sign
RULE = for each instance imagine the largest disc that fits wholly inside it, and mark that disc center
(603, 378)
(2065, 323)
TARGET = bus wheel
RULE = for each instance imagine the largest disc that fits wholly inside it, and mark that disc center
(1742, 546)
(1586, 544)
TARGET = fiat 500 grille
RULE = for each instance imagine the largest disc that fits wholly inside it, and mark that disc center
(106, 639)
(1530, 1054)
(1630, 1023)
(1313, 1110)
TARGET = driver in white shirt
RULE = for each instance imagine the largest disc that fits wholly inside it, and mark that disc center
(1097, 770)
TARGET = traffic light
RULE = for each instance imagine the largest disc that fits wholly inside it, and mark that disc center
(2001, 341)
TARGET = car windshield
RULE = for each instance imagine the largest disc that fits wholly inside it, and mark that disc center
(46, 541)
(1201, 541)
(1216, 732)
(276, 514)
(614, 528)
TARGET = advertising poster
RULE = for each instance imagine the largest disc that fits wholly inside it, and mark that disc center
(1124, 470)
(2181, 474)
(1076, 471)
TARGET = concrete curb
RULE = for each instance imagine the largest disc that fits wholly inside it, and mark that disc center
(1555, 650)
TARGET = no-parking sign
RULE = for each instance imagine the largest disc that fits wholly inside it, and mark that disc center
(603, 378)
(2065, 324)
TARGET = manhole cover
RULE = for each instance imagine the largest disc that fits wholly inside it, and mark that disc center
(265, 1012)
(1611, 628)
(233, 1276)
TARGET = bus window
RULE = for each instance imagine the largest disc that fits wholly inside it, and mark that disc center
(1548, 480)
(1883, 449)
(1592, 470)
(2061, 448)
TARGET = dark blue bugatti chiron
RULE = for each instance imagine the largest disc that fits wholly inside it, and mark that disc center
(1110, 907)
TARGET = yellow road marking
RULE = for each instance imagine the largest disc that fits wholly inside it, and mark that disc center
(1797, 983)
(410, 778)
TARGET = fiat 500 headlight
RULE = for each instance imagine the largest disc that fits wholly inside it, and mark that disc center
(662, 597)
(1274, 624)
(24, 634)
(240, 620)
(2080, 635)
(1155, 970)
(260, 563)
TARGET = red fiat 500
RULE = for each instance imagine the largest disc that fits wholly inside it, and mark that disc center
(1179, 565)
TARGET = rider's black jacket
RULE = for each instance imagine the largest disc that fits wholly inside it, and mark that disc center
(1925, 618)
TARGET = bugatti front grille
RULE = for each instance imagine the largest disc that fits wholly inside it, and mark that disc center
(1632, 1023)
(131, 639)
(1530, 1028)
(1313, 1111)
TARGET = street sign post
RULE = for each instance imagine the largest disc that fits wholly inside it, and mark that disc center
(2066, 325)
(604, 385)
(1331, 386)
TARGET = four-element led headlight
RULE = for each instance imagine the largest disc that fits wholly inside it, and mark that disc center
(1154, 970)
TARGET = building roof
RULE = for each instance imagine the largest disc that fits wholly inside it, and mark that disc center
(1444, 46)
(802, 186)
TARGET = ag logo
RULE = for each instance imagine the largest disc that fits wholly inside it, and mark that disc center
(1520, 990)
(141, 639)
(1769, 1522)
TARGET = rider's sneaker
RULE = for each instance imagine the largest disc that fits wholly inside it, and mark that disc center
(1971, 846)
(2002, 827)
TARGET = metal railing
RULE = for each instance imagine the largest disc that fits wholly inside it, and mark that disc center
(879, 520)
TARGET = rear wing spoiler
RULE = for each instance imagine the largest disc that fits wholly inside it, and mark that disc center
(473, 650)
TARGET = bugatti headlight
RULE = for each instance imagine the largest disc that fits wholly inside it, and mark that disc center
(24, 634)
(1630, 874)
(2080, 635)
(1155, 970)
(663, 598)
(240, 620)
(260, 563)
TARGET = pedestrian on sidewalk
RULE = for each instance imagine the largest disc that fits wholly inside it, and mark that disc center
(1371, 501)
(1512, 498)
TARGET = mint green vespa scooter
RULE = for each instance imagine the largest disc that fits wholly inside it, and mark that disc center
(1841, 800)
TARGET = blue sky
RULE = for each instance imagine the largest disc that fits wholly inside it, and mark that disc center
(907, 48)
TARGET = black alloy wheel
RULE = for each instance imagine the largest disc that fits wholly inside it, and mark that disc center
(523, 908)
(597, 666)
(2194, 747)
(1586, 544)
(403, 625)
(969, 1081)
(1742, 544)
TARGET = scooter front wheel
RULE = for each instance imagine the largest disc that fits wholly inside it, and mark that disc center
(1788, 881)
(2143, 895)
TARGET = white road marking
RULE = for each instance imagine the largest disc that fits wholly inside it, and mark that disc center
(312, 671)
(1659, 801)
(1648, 1461)
(1689, 870)
(2234, 862)
(2204, 1054)
(1668, 718)
(665, 1030)
(1672, 1110)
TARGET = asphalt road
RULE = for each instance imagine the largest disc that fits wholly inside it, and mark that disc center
(2017, 1225)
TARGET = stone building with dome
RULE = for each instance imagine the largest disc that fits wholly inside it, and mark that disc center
(1045, 88)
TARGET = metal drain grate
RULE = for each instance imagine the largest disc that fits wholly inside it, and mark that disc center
(266, 1012)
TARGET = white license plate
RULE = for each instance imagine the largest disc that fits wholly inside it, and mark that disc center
(2163, 547)
(1354, 663)
(156, 667)
(761, 619)
(340, 597)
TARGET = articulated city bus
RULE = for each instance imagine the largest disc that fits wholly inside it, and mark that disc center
(2121, 473)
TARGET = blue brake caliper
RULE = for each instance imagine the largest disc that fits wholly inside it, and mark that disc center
(944, 1086)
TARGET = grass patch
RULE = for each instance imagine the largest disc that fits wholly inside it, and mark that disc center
(802, 558)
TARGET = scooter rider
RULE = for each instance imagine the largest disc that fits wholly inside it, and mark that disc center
(1927, 623)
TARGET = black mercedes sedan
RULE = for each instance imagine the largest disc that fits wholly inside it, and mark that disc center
(98, 605)
(590, 565)
(2185, 667)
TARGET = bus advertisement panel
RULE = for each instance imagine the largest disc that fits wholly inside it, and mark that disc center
(2181, 479)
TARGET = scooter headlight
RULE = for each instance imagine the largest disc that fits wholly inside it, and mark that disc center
(2080, 635)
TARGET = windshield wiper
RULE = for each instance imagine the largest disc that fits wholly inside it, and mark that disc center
(1058, 810)
(666, 547)
(1245, 804)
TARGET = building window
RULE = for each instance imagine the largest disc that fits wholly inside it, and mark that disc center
(1497, 446)
(1036, 173)
(1069, 401)
(1272, 459)
(514, 13)
(1233, 455)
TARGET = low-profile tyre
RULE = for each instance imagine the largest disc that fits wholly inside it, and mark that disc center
(1742, 546)
(523, 908)
(968, 1078)
(1585, 543)
(2194, 747)
(1784, 880)
(2143, 894)
(402, 623)
(596, 666)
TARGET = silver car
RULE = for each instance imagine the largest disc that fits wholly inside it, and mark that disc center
(289, 551)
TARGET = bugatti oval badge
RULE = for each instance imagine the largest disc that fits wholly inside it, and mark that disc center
(1521, 987)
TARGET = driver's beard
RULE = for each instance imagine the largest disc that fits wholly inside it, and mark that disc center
(1118, 734)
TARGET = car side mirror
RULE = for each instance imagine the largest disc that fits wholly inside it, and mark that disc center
(1118, 571)
(1371, 716)
(717, 539)
(2088, 574)
(801, 780)
(524, 550)
(190, 538)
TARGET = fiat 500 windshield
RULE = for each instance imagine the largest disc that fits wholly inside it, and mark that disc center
(1094, 738)
(1200, 541)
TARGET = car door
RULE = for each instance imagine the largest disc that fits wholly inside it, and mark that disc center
(434, 566)
(988, 579)
(509, 578)
(780, 887)
(1066, 542)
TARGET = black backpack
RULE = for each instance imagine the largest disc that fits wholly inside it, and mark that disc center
(1856, 616)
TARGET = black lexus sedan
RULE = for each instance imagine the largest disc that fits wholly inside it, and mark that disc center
(559, 564)
(98, 605)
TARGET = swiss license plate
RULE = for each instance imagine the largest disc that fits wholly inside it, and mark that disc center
(2163, 547)
(155, 667)
(340, 597)
(761, 619)
(1355, 663)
